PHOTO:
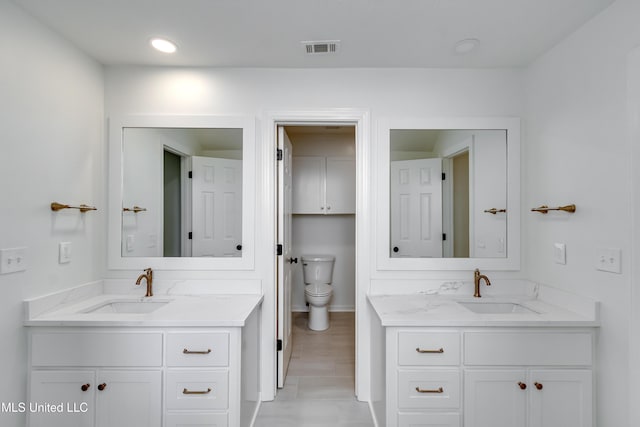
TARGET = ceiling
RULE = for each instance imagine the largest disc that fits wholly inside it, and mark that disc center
(259, 33)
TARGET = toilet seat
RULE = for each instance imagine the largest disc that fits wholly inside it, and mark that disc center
(318, 289)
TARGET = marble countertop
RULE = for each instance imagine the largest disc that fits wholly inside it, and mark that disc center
(208, 310)
(444, 310)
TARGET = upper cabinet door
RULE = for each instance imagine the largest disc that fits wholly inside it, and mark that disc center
(308, 185)
(341, 185)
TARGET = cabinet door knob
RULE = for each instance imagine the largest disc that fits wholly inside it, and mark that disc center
(239, 247)
(522, 386)
(85, 387)
(538, 386)
(102, 386)
(396, 249)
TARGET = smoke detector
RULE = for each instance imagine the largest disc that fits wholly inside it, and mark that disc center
(321, 47)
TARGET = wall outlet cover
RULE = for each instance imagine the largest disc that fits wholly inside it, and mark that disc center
(64, 252)
(559, 253)
(609, 259)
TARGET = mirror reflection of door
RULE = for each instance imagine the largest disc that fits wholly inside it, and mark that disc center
(416, 208)
(456, 220)
(172, 215)
(217, 198)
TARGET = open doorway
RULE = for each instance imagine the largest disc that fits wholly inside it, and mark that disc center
(316, 218)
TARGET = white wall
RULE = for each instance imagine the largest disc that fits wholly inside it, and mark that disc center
(51, 133)
(576, 150)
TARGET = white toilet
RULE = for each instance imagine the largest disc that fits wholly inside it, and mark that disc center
(317, 271)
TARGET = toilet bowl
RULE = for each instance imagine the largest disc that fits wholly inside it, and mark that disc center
(317, 272)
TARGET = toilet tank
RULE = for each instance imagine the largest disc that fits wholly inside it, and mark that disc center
(317, 268)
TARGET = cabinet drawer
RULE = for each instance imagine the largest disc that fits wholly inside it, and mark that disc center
(429, 389)
(96, 349)
(198, 349)
(424, 348)
(199, 420)
(528, 348)
(428, 420)
(197, 390)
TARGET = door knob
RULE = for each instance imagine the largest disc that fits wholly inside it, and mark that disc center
(522, 386)
(538, 386)
(293, 260)
(85, 387)
(102, 386)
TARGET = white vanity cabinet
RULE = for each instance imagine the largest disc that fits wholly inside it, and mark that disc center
(95, 377)
(145, 376)
(324, 185)
(486, 377)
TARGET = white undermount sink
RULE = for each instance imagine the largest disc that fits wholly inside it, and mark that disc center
(127, 306)
(493, 307)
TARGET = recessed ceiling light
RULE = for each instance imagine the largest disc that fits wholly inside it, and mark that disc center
(466, 46)
(163, 45)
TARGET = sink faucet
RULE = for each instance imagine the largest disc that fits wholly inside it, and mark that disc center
(148, 275)
(476, 282)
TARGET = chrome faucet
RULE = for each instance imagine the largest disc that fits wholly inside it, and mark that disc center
(476, 282)
(148, 275)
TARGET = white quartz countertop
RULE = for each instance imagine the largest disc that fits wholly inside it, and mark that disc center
(444, 310)
(214, 310)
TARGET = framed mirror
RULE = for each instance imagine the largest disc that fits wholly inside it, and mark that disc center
(180, 192)
(449, 191)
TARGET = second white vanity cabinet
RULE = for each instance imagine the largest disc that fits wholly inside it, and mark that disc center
(324, 185)
(486, 377)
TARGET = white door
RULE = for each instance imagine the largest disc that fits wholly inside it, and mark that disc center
(561, 398)
(62, 386)
(416, 208)
(341, 185)
(495, 398)
(217, 207)
(129, 398)
(284, 261)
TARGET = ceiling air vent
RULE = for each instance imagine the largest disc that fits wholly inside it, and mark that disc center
(321, 47)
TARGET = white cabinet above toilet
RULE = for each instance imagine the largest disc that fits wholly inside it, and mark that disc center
(324, 185)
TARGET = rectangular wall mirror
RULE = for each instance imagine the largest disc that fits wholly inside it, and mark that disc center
(178, 190)
(452, 189)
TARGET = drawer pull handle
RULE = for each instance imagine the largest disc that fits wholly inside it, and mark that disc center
(187, 391)
(438, 390)
(102, 386)
(538, 386)
(522, 386)
(85, 387)
(440, 350)
(186, 351)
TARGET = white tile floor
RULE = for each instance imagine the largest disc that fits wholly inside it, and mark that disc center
(319, 390)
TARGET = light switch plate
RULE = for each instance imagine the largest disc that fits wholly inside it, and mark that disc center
(64, 252)
(559, 253)
(13, 260)
(608, 259)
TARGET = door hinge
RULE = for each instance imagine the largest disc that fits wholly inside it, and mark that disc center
(279, 345)
(444, 236)
(444, 176)
(279, 250)
(191, 174)
(279, 154)
(190, 235)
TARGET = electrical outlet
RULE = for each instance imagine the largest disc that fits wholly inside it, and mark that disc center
(64, 252)
(608, 259)
(13, 260)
